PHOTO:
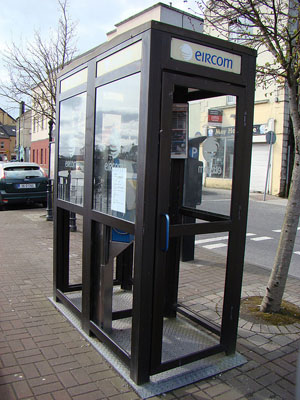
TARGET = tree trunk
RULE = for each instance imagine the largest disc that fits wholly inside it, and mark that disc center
(276, 285)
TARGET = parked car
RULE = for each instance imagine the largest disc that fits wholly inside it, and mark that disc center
(22, 182)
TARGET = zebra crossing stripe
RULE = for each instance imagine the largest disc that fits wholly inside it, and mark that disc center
(215, 246)
(261, 238)
(279, 230)
(216, 239)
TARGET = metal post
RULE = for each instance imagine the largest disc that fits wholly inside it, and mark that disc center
(269, 165)
(22, 110)
(49, 216)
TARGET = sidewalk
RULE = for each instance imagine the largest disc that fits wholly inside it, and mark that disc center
(42, 356)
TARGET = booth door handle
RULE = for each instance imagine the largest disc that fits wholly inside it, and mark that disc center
(167, 232)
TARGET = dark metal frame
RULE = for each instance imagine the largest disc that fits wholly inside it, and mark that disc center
(159, 76)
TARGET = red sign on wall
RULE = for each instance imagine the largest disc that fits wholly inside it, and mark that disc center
(215, 116)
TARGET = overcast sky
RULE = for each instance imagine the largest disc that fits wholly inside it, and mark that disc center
(19, 19)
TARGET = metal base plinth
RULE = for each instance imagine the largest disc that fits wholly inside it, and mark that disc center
(180, 338)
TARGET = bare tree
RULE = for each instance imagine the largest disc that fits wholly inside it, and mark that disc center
(33, 68)
(271, 26)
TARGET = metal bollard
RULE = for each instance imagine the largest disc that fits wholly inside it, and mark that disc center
(72, 222)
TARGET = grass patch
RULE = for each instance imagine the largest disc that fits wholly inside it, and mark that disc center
(288, 314)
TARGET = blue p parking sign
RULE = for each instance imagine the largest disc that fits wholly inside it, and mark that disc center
(194, 152)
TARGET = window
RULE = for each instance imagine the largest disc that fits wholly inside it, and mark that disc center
(71, 148)
(116, 147)
(33, 155)
(74, 80)
(239, 30)
(2, 145)
(230, 100)
(22, 172)
(117, 60)
(42, 154)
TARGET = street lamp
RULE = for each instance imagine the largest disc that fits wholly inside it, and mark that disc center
(49, 215)
(22, 110)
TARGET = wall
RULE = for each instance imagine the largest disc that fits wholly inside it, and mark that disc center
(39, 153)
(6, 119)
(5, 148)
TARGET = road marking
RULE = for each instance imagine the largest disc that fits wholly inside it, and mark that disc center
(217, 238)
(279, 230)
(261, 238)
(297, 252)
(214, 239)
(215, 246)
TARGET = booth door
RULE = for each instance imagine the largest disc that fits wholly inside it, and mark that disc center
(201, 142)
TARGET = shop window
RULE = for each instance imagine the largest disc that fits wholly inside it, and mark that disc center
(217, 122)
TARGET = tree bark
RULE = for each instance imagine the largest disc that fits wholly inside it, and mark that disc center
(277, 281)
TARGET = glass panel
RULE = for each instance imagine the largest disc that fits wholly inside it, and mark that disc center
(209, 166)
(74, 80)
(71, 149)
(123, 57)
(116, 146)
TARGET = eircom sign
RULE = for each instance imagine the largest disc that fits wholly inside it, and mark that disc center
(205, 56)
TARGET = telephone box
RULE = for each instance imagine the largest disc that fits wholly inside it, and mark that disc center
(133, 117)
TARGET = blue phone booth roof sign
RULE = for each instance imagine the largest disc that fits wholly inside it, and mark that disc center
(205, 56)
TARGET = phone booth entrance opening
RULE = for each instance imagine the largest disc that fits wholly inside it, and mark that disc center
(153, 154)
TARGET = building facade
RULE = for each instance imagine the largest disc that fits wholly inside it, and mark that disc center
(40, 140)
(7, 136)
(272, 146)
(23, 136)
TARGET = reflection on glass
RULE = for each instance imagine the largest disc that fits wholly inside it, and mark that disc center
(71, 149)
(179, 131)
(74, 80)
(117, 60)
(116, 146)
(209, 166)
